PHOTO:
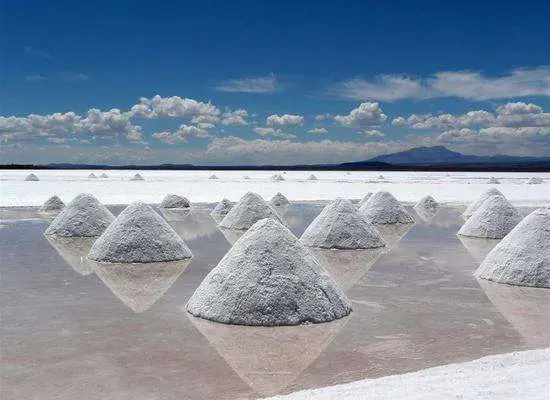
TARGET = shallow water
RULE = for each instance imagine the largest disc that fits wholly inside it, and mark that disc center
(73, 331)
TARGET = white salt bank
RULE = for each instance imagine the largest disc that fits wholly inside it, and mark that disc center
(523, 256)
(277, 177)
(475, 205)
(268, 278)
(137, 177)
(279, 200)
(92, 176)
(493, 220)
(54, 203)
(175, 201)
(250, 209)
(32, 178)
(383, 208)
(222, 208)
(84, 216)
(341, 226)
(139, 235)
(493, 181)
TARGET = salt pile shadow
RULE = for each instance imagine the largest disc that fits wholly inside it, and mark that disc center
(526, 309)
(268, 359)
(139, 286)
(74, 251)
(478, 247)
(191, 224)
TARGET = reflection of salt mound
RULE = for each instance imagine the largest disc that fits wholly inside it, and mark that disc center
(383, 208)
(250, 209)
(426, 208)
(269, 359)
(277, 177)
(83, 216)
(478, 247)
(365, 199)
(139, 235)
(32, 177)
(279, 200)
(268, 278)
(92, 176)
(54, 203)
(341, 226)
(137, 177)
(476, 204)
(393, 233)
(190, 225)
(74, 250)
(103, 175)
(523, 256)
(535, 180)
(232, 235)
(140, 286)
(221, 209)
(525, 308)
(493, 181)
(493, 219)
(213, 177)
(175, 201)
(312, 178)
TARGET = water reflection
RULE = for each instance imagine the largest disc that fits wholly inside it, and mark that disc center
(393, 233)
(478, 247)
(191, 224)
(139, 286)
(268, 359)
(74, 251)
(232, 235)
(425, 214)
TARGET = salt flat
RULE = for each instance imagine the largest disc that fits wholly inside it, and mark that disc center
(455, 187)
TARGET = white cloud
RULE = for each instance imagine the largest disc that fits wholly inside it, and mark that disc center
(285, 119)
(181, 134)
(399, 121)
(383, 88)
(323, 117)
(318, 131)
(254, 84)
(236, 117)
(273, 132)
(35, 78)
(371, 133)
(173, 107)
(366, 114)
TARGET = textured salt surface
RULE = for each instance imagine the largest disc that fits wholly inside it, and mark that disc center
(475, 205)
(341, 226)
(277, 177)
(83, 216)
(137, 177)
(493, 181)
(32, 177)
(221, 209)
(250, 209)
(175, 201)
(383, 208)
(279, 200)
(365, 199)
(139, 235)
(513, 376)
(523, 256)
(54, 203)
(493, 219)
(268, 278)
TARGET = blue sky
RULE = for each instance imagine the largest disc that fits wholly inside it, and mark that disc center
(257, 82)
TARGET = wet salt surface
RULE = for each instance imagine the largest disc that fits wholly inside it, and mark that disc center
(70, 333)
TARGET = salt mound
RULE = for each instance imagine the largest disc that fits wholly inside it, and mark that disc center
(493, 220)
(246, 177)
(222, 208)
(535, 180)
(312, 178)
(250, 209)
(426, 208)
(213, 177)
(383, 208)
(92, 176)
(277, 177)
(83, 216)
(475, 205)
(381, 177)
(341, 226)
(279, 200)
(54, 203)
(365, 199)
(175, 201)
(523, 256)
(32, 177)
(268, 278)
(137, 177)
(493, 181)
(103, 175)
(139, 235)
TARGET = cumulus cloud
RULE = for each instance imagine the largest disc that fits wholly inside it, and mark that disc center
(173, 107)
(318, 131)
(268, 131)
(285, 119)
(181, 134)
(323, 117)
(383, 88)
(254, 84)
(236, 117)
(399, 121)
(371, 133)
(366, 114)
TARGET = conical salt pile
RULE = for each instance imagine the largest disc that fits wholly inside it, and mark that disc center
(250, 209)
(246, 177)
(103, 175)
(222, 208)
(175, 201)
(92, 176)
(535, 180)
(312, 177)
(277, 177)
(523, 256)
(475, 205)
(139, 235)
(54, 203)
(213, 177)
(426, 208)
(268, 278)
(279, 200)
(32, 177)
(381, 177)
(493, 220)
(365, 199)
(137, 177)
(83, 216)
(341, 226)
(493, 181)
(383, 208)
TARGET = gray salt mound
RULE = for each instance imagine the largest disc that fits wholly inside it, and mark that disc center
(523, 256)
(341, 226)
(250, 209)
(32, 177)
(84, 216)
(279, 200)
(137, 177)
(175, 201)
(475, 205)
(92, 176)
(535, 180)
(213, 177)
(493, 181)
(246, 177)
(277, 177)
(54, 203)
(381, 177)
(493, 220)
(383, 208)
(365, 199)
(268, 278)
(312, 177)
(426, 208)
(222, 208)
(139, 235)
(103, 175)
